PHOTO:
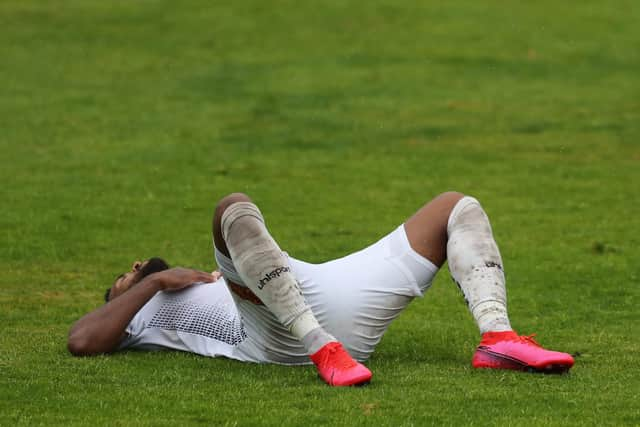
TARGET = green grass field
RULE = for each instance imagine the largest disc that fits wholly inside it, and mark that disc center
(122, 123)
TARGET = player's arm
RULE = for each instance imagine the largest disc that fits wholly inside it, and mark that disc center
(102, 330)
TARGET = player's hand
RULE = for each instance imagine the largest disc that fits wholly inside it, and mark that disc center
(178, 278)
(216, 275)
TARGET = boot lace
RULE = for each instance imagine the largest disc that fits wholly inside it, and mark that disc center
(528, 339)
(340, 358)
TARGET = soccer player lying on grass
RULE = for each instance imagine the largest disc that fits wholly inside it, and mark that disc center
(270, 307)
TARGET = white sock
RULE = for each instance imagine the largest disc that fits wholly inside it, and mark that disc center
(476, 266)
(265, 270)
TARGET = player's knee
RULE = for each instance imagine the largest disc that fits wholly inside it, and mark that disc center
(227, 201)
(448, 199)
(222, 205)
(452, 196)
(445, 203)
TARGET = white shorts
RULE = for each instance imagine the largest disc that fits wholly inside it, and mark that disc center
(354, 298)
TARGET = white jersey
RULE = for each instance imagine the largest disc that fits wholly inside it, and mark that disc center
(354, 298)
(201, 319)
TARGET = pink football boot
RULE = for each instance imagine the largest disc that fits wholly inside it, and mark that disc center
(508, 350)
(337, 368)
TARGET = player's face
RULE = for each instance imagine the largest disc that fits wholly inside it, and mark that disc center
(138, 271)
(127, 280)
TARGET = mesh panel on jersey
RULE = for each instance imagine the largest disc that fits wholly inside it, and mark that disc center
(211, 321)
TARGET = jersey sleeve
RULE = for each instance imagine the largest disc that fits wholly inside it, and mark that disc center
(133, 331)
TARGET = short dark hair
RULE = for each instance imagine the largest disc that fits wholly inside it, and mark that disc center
(153, 265)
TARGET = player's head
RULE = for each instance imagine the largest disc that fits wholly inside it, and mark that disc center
(139, 270)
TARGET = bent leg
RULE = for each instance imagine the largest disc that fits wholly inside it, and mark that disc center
(240, 233)
(454, 227)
